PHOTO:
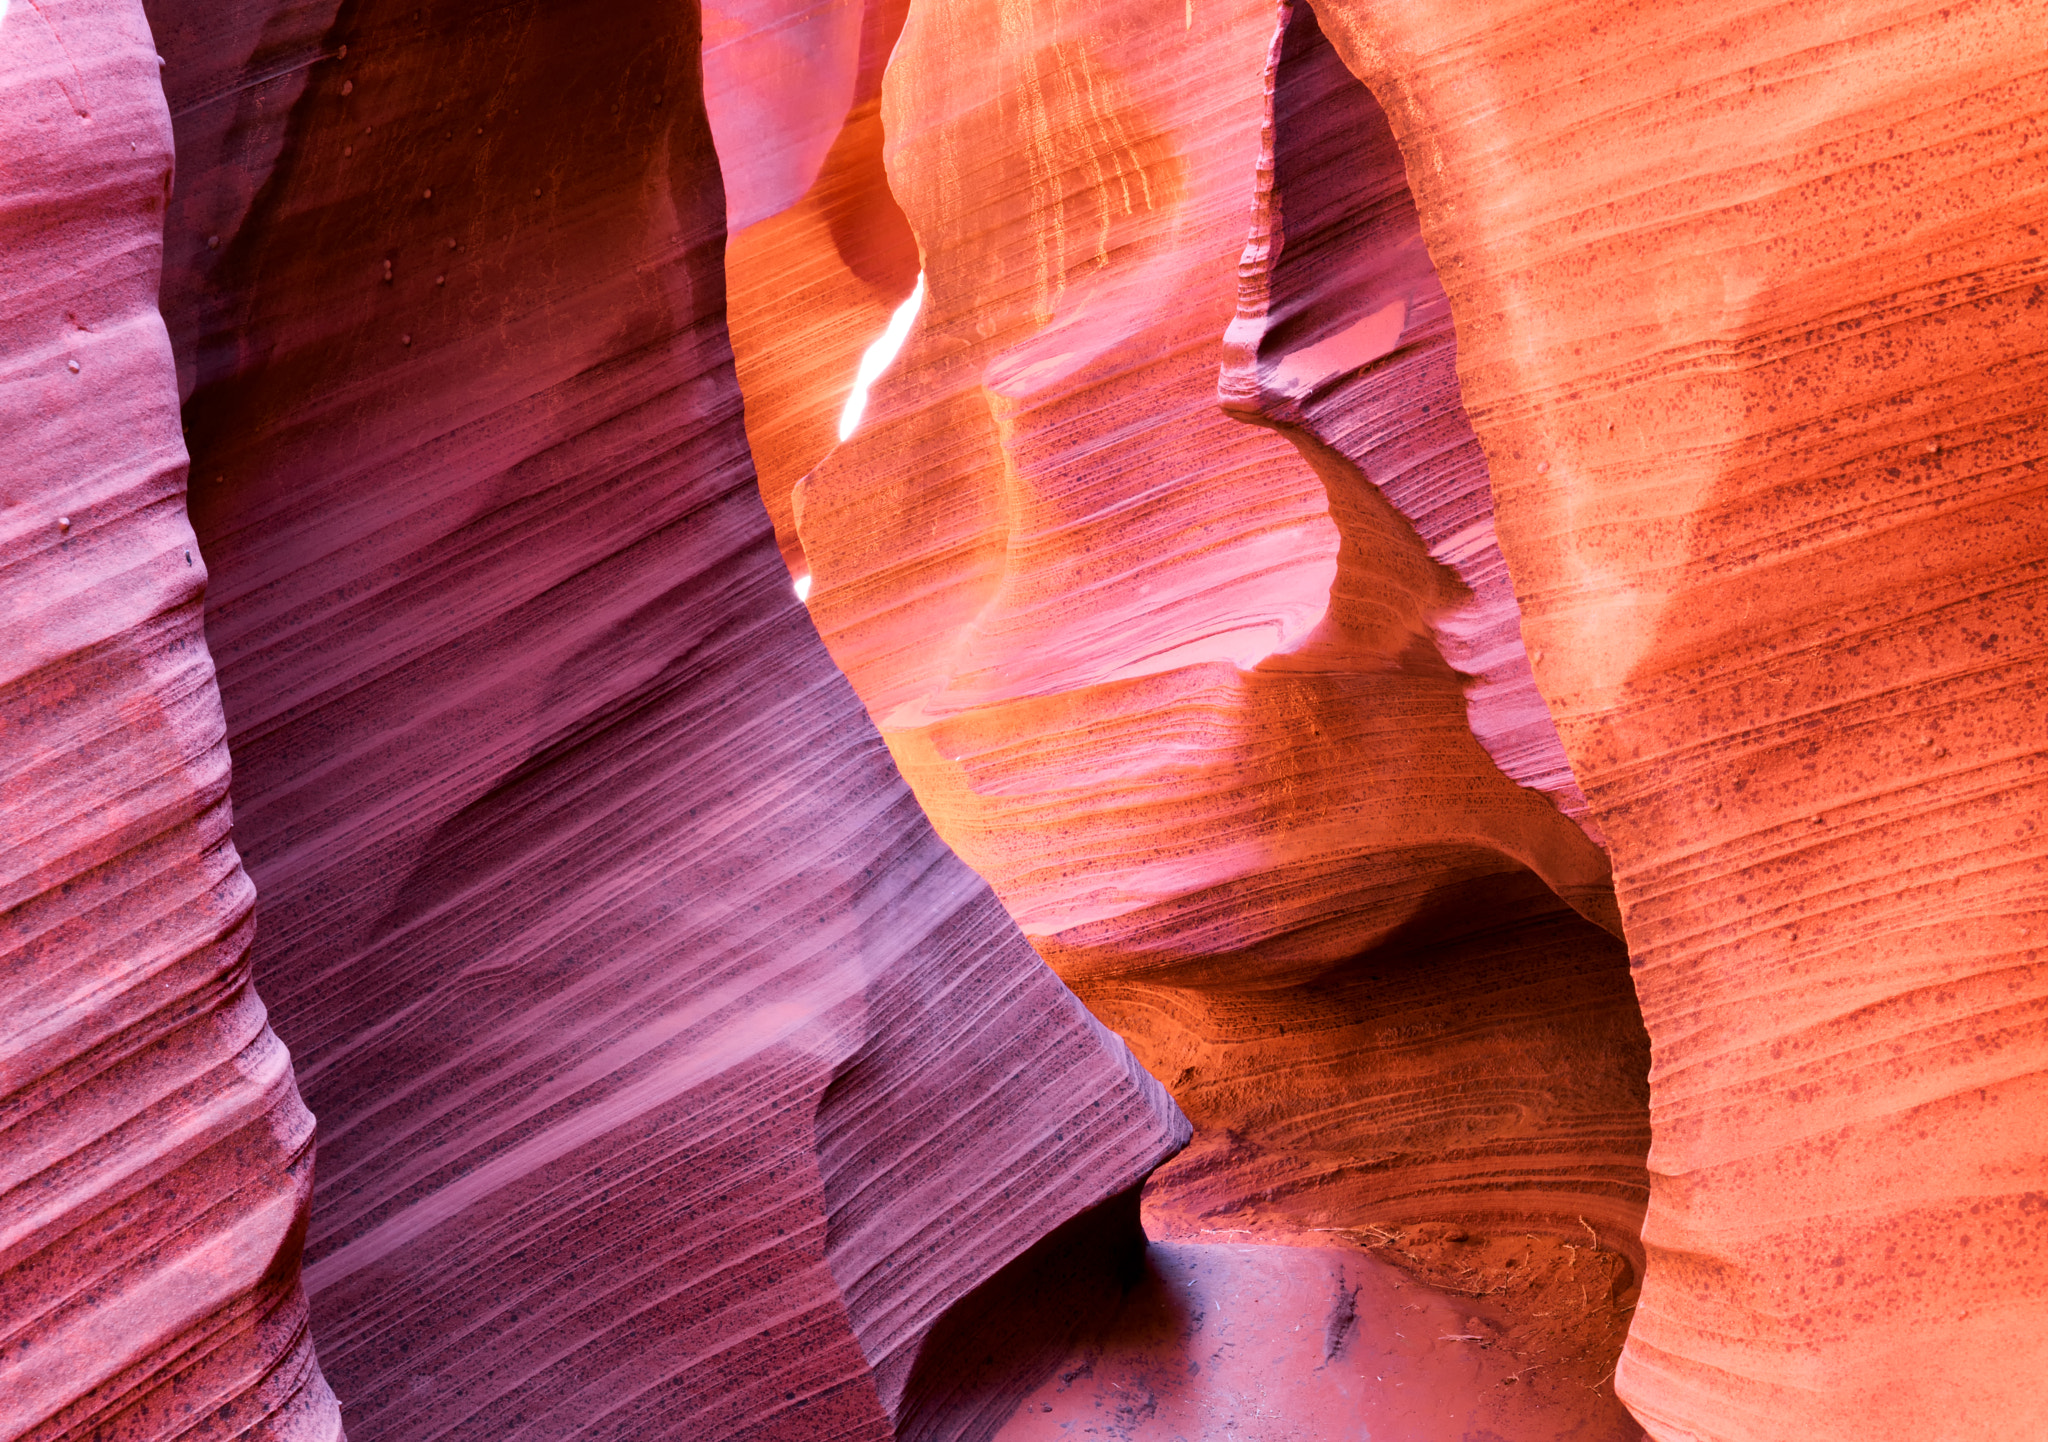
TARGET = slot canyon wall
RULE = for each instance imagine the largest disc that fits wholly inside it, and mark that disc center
(672, 1078)
(1751, 323)
(156, 1160)
(1748, 333)
(1467, 578)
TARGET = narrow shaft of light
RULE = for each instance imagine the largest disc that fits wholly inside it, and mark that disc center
(876, 358)
(803, 587)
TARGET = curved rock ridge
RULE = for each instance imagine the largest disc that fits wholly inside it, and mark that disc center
(155, 1158)
(1496, 1079)
(1149, 673)
(1171, 683)
(673, 1078)
(1343, 341)
(1752, 326)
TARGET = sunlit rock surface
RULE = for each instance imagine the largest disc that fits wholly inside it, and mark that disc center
(1373, 496)
(1747, 330)
(1751, 325)
(1178, 686)
(1145, 672)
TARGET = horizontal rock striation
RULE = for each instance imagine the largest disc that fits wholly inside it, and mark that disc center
(1622, 513)
(155, 1158)
(1751, 324)
(1495, 1079)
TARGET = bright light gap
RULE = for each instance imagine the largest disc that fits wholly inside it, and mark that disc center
(877, 357)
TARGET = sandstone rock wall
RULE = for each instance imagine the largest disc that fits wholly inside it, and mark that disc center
(156, 1161)
(1751, 325)
(673, 1078)
(1747, 329)
(1091, 612)
(1172, 685)
(1656, 390)
(1177, 684)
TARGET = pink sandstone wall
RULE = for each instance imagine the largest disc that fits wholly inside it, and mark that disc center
(156, 1161)
(1380, 501)
(672, 1078)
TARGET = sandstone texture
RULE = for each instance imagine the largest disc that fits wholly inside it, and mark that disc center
(1751, 324)
(1020, 719)
(1179, 684)
(1747, 325)
(673, 1078)
(155, 1157)
(1146, 676)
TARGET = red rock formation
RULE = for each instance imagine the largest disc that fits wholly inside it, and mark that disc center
(1495, 1078)
(155, 1158)
(1175, 689)
(1186, 743)
(1343, 342)
(673, 1078)
(1751, 324)
(1733, 296)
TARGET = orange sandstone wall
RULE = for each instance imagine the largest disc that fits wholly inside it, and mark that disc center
(1747, 316)
(1091, 612)
(1752, 326)
(1177, 684)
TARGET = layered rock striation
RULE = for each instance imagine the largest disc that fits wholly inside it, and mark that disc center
(1343, 342)
(673, 1078)
(1377, 501)
(156, 1161)
(1751, 327)
(1176, 684)
(1746, 326)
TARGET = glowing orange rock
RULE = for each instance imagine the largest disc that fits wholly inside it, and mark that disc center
(1343, 342)
(1750, 323)
(818, 264)
(1175, 698)
(1174, 684)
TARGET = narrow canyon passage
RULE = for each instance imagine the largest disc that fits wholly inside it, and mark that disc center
(1416, 1068)
(921, 720)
